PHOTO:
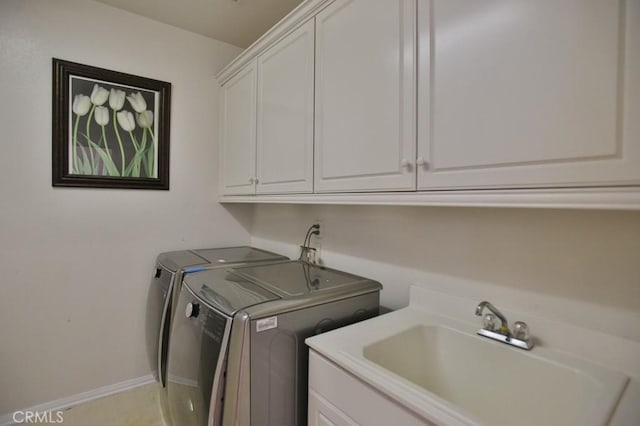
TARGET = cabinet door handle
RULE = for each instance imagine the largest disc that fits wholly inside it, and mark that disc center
(421, 162)
(251, 180)
(404, 163)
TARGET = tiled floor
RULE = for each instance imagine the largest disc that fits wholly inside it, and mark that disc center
(137, 407)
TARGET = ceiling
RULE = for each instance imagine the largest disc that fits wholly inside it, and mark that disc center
(237, 22)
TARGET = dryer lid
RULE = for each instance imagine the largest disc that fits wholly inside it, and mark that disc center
(225, 291)
(238, 255)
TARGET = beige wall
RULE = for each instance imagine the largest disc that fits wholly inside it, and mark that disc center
(76, 263)
(577, 266)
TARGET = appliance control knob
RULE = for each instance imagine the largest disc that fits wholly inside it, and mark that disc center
(192, 311)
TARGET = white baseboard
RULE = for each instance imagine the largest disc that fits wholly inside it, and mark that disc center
(73, 400)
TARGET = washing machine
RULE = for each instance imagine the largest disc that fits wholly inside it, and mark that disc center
(237, 354)
(170, 269)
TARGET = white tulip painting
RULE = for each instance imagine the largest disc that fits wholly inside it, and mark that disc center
(110, 129)
(127, 147)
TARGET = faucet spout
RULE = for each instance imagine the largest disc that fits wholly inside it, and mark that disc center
(504, 326)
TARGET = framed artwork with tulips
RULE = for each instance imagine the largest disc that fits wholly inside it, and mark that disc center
(110, 129)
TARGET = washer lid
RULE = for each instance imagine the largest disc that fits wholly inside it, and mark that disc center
(238, 255)
(225, 291)
(295, 278)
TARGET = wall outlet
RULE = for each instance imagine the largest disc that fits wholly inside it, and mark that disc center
(322, 227)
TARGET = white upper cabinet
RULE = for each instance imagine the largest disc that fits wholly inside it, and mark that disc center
(267, 120)
(521, 93)
(438, 102)
(365, 96)
(285, 114)
(238, 147)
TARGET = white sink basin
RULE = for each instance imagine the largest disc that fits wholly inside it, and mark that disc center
(491, 383)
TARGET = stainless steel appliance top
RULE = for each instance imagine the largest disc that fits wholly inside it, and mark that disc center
(175, 260)
(296, 278)
(225, 291)
(289, 284)
(238, 255)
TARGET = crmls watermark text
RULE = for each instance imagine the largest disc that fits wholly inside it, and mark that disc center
(46, 417)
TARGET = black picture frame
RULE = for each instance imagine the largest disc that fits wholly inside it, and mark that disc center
(110, 129)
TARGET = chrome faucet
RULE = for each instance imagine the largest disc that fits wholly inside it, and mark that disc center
(520, 338)
(504, 327)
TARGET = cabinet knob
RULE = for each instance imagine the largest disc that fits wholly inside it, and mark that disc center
(421, 162)
(250, 180)
(404, 163)
(255, 181)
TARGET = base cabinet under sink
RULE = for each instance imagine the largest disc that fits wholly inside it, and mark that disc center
(324, 413)
(336, 398)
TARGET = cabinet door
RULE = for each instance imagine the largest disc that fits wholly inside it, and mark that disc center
(520, 93)
(336, 397)
(238, 145)
(365, 96)
(323, 413)
(285, 114)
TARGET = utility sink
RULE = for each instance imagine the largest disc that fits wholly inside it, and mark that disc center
(489, 382)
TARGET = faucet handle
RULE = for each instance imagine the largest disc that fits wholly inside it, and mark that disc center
(489, 322)
(520, 330)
